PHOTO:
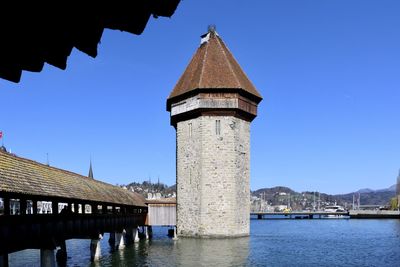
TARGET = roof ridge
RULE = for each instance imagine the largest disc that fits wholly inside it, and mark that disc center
(203, 64)
(42, 164)
(226, 58)
(32, 173)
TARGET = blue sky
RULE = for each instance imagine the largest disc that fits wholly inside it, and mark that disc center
(328, 72)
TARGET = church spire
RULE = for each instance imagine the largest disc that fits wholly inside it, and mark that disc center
(90, 170)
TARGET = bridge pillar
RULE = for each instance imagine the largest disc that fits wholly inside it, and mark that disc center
(47, 258)
(259, 217)
(111, 240)
(150, 231)
(61, 254)
(3, 260)
(132, 235)
(129, 236)
(175, 236)
(95, 251)
(136, 234)
(120, 238)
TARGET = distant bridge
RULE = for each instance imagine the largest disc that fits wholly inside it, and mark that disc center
(352, 214)
(300, 214)
(91, 208)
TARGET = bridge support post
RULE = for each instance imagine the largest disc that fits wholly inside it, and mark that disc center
(47, 258)
(61, 254)
(95, 251)
(150, 231)
(175, 235)
(136, 239)
(3, 260)
(129, 236)
(120, 237)
(111, 240)
(259, 217)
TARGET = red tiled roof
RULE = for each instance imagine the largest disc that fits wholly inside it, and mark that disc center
(213, 67)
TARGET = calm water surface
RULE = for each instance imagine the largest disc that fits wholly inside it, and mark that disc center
(332, 242)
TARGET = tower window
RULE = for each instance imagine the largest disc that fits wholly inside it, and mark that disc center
(190, 129)
(217, 127)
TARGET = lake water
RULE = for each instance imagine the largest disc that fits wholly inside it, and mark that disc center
(331, 242)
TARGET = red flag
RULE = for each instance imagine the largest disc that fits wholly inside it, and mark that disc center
(1, 134)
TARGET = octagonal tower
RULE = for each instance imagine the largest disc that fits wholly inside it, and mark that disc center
(211, 108)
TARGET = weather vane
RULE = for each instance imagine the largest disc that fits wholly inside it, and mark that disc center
(212, 28)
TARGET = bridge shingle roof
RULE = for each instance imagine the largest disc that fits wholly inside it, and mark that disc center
(23, 176)
(36, 33)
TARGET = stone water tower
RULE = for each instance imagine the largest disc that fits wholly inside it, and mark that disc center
(211, 108)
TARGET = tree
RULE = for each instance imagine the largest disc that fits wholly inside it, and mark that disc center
(394, 203)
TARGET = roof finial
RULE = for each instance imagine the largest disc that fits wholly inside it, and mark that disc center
(212, 28)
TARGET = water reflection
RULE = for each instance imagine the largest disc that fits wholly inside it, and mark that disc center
(275, 242)
(182, 252)
(212, 252)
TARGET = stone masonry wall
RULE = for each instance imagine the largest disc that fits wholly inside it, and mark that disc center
(213, 174)
(188, 176)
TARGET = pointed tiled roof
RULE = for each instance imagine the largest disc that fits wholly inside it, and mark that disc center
(213, 67)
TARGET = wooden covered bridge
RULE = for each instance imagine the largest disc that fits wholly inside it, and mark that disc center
(90, 208)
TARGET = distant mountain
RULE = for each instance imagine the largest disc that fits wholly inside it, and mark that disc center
(367, 190)
(369, 198)
(390, 189)
(281, 195)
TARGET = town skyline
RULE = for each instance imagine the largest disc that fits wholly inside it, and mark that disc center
(328, 73)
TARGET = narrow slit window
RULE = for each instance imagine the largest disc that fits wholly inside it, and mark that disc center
(217, 127)
(190, 129)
